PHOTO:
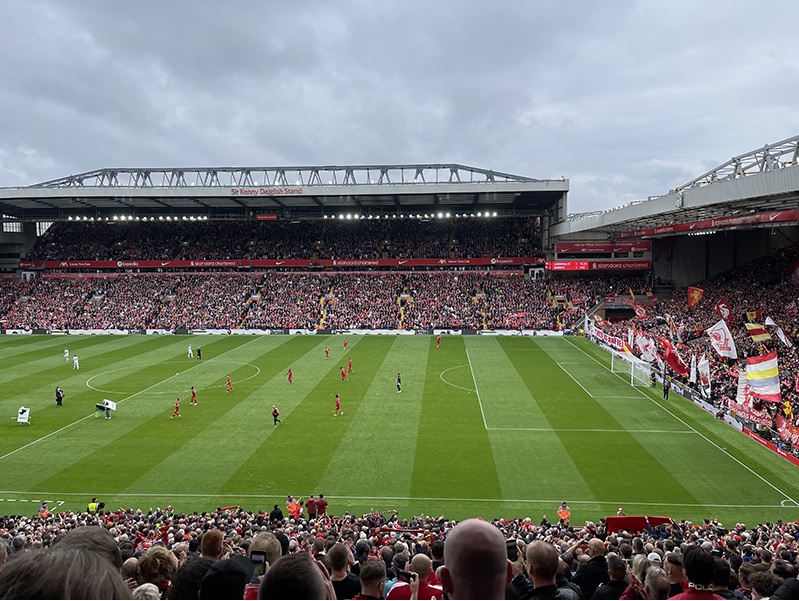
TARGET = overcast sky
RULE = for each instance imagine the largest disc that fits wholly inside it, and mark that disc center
(626, 99)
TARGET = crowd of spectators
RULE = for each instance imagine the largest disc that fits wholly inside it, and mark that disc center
(267, 300)
(308, 239)
(163, 554)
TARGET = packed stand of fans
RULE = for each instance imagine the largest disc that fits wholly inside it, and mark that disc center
(264, 300)
(305, 552)
(308, 239)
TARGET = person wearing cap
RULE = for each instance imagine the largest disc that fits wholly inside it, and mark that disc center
(655, 559)
(226, 579)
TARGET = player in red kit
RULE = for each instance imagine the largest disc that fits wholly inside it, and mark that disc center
(229, 385)
(349, 365)
(345, 344)
(438, 341)
(338, 407)
(327, 353)
(176, 412)
(290, 376)
(344, 377)
(193, 396)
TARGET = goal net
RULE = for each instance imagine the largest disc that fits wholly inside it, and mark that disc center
(637, 371)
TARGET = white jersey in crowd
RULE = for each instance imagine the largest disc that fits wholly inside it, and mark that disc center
(189, 351)
(66, 355)
(75, 362)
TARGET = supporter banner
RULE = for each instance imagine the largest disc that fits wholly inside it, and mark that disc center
(721, 339)
(613, 341)
(609, 265)
(787, 430)
(236, 263)
(694, 296)
(603, 246)
(769, 217)
(723, 309)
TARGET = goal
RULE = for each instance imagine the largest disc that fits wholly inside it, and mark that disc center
(636, 370)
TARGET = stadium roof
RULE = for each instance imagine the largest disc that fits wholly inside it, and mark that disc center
(289, 192)
(760, 181)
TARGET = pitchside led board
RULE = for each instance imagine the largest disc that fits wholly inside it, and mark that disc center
(23, 415)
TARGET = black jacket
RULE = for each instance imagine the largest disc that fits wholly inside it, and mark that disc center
(591, 575)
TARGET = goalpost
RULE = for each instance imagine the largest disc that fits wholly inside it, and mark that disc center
(638, 371)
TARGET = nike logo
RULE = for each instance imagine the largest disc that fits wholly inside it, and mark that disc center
(692, 226)
(401, 262)
(773, 216)
(279, 262)
(164, 263)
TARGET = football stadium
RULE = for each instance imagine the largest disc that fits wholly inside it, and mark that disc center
(405, 342)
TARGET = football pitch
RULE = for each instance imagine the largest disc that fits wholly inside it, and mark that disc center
(484, 426)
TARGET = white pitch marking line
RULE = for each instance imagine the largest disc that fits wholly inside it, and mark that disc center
(598, 430)
(554, 502)
(687, 425)
(46, 436)
(575, 379)
(441, 375)
(477, 392)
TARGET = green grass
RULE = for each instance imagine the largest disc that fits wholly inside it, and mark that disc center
(488, 426)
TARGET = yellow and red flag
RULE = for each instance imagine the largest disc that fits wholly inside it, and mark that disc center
(694, 296)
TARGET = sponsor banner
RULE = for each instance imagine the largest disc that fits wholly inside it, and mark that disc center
(238, 263)
(18, 332)
(608, 265)
(770, 446)
(112, 332)
(301, 332)
(541, 333)
(158, 331)
(768, 217)
(436, 332)
(603, 246)
(266, 217)
(499, 332)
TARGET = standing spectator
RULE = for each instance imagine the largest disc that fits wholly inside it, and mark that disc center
(345, 583)
(321, 506)
(613, 588)
(595, 571)
(699, 568)
(475, 562)
(422, 567)
(542, 560)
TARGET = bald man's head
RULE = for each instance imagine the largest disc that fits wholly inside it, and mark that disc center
(543, 561)
(475, 562)
(422, 565)
(597, 547)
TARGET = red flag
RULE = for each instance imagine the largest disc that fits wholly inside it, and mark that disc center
(723, 309)
(673, 359)
(694, 296)
(640, 311)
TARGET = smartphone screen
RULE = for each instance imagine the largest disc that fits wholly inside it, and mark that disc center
(258, 559)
